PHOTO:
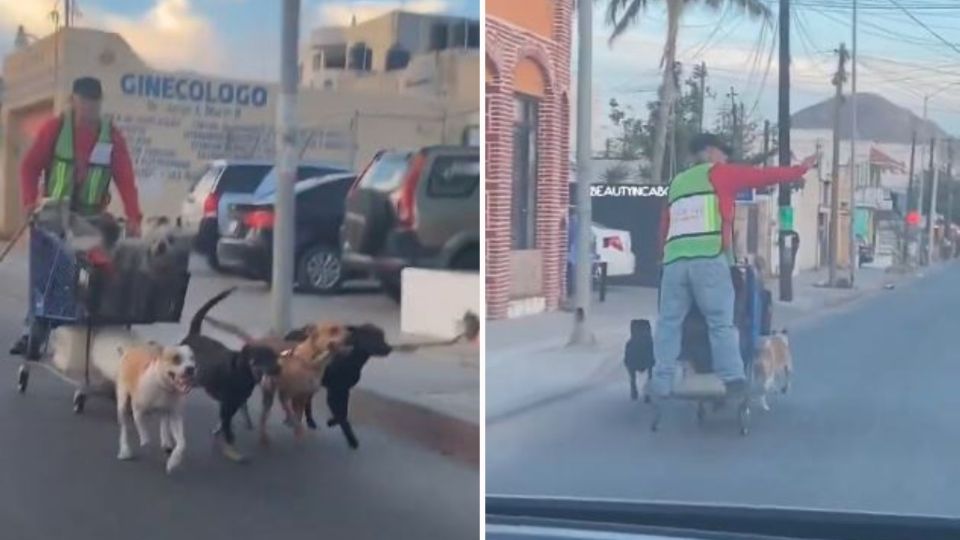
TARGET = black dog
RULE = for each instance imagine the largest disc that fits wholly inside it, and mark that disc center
(343, 373)
(695, 347)
(228, 376)
(638, 354)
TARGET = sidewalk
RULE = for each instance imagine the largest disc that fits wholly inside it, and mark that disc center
(528, 363)
(444, 381)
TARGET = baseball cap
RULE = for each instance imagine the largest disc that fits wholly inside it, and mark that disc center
(705, 140)
(88, 87)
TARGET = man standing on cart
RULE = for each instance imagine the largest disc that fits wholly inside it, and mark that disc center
(79, 154)
(697, 231)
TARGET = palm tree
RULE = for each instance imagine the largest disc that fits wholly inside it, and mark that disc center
(621, 14)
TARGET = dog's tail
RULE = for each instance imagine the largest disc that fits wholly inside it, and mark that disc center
(197, 322)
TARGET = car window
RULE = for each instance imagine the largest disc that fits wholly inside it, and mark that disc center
(242, 178)
(454, 176)
(325, 198)
(205, 182)
(269, 184)
(386, 173)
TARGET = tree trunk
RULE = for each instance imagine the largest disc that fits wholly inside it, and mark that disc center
(668, 90)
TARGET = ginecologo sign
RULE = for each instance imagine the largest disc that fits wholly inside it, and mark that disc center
(193, 90)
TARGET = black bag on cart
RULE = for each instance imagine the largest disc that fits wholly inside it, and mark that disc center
(695, 344)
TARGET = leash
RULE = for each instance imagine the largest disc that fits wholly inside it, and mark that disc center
(16, 237)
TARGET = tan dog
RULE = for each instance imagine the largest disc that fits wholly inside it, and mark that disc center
(301, 373)
(774, 363)
(154, 379)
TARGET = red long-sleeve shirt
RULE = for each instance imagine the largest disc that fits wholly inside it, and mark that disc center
(39, 158)
(729, 179)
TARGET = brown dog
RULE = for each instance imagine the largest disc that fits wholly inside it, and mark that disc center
(301, 374)
(775, 362)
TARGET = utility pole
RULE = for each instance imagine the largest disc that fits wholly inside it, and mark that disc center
(906, 226)
(582, 335)
(838, 79)
(702, 75)
(924, 194)
(286, 148)
(67, 19)
(932, 214)
(766, 143)
(783, 125)
(951, 186)
(852, 241)
(733, 123)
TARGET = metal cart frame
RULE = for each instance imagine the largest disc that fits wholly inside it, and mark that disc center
(749, 315)
(66, 289)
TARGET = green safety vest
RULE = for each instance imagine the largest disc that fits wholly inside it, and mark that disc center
(93, 190)
(696, 226)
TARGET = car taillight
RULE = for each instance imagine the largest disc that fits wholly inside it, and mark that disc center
(259, 219)
(613, 242)
(210, 205)
(405, 198)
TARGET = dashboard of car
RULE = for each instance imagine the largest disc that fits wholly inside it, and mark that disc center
(535, 518)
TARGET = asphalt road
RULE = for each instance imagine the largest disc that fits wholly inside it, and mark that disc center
(59, 476)
(872, 424)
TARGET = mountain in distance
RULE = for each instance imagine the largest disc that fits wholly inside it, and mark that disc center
(878, 119)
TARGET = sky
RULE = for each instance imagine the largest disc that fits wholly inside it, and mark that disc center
(897, 58)
(238, 38)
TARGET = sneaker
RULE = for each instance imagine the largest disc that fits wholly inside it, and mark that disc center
(20, 347)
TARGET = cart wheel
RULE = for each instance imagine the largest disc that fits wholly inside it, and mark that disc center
(79, 401)
(744, 419)
(23, 378)
(701, 413)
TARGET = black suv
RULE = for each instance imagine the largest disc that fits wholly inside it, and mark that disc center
(416, 208)
(247, 246)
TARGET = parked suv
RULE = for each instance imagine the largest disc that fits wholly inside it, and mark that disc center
(198, 213)
(247, 244)
(414, 209)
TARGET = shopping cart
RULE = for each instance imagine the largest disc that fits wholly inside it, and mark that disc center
(66, 289)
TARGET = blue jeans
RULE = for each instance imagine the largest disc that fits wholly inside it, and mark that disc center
(708, 283)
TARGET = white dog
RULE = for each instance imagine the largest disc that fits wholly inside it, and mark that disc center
(154, 379)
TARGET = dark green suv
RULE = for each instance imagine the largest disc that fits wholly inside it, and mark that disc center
(417, 208)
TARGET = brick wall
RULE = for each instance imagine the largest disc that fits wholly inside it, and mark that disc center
(506, 45)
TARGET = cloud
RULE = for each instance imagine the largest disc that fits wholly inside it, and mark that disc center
(170, 35)
(341, 13)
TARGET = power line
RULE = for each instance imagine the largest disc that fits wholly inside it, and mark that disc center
(925, 27)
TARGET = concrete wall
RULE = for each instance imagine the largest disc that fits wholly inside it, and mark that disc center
(176, 122)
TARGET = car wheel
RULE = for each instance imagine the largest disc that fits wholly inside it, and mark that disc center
(393, 289)
(213, 261)
(468, 259)
(320, 270)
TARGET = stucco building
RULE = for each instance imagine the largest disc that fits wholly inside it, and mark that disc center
(527, 79)
(175, 122)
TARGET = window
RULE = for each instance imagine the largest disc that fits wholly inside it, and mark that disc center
(454, 177)
(386, 173)
(473, 36)
(242, 178)
(327, 197)
(458, 35)
(317, 62)
(206, 181)
(439, 37)
(525, 161)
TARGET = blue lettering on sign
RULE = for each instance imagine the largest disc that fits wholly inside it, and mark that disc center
(168, 88)
(193, 90)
